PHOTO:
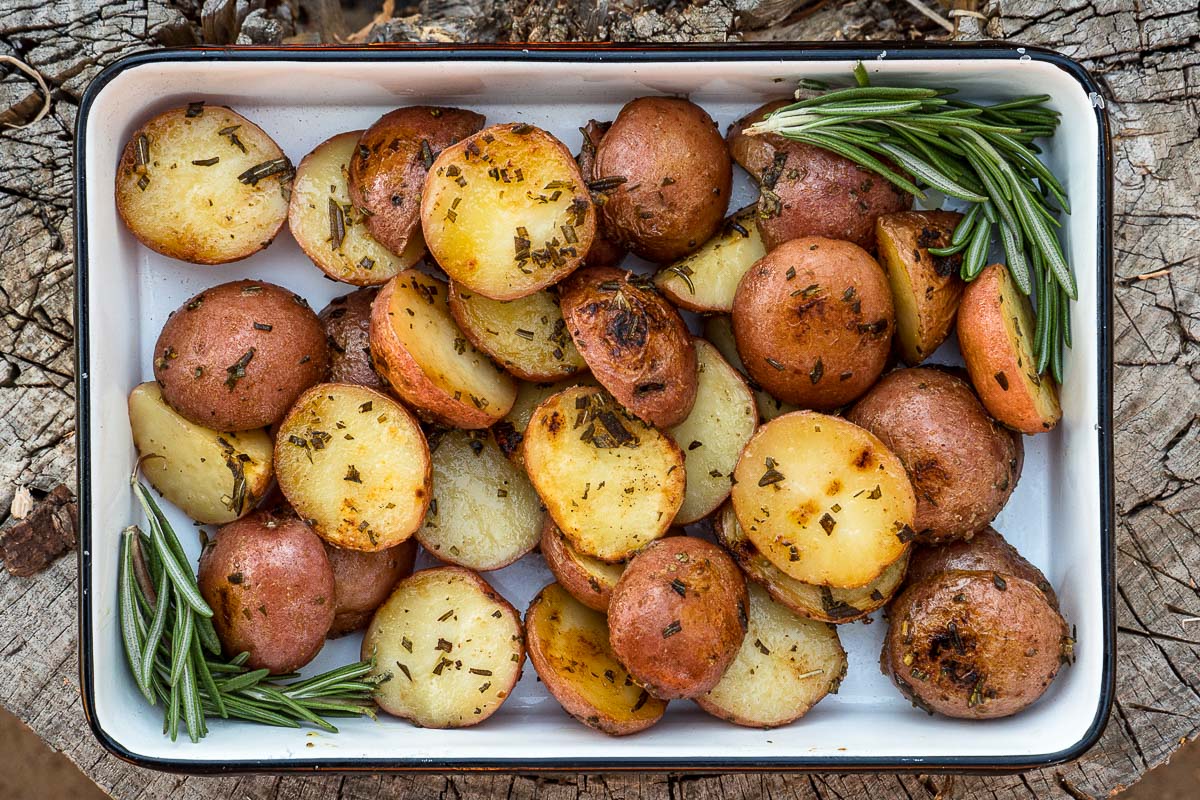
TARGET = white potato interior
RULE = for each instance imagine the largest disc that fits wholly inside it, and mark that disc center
(707, 279)
(528, 336)
(719, 331)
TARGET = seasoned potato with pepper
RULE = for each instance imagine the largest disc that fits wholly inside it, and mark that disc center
(718, 329)
(706, 280)
(589, 580)
(362, 581)
(986, 551)
(603, 252)
(347, 321)
(510, 431)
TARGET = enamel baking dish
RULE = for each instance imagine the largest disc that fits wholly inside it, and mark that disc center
(1060, 516)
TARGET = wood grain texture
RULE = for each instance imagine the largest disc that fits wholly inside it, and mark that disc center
(1146, 53)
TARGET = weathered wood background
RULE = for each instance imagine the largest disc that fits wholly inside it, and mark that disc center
(1146, 53)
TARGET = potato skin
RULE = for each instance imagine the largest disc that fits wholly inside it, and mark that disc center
(962, 463)
(677, 177)
(362, 581)
(604, 252)
(986, 551)
(634, 341)
(347, 321)
(813, 322)
(236, 356)
(271, 588)
(678, 616)
(974, 645)
(593, 590)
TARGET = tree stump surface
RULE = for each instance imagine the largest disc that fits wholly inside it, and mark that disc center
(1145, 52)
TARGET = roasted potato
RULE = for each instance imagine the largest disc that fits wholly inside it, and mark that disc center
(677, 616)
(428, 361)
(448, 649)
(714, 433)
(212, 476)
(347, 321)
(330, 228)
(824, 500)
(995, 330)
(962, 463)
(354, 464)
(986, 551)
(813, 322)
(974, 645)
(484, 513)
(506, 212)
(718, 329)
(756, 153)
(785, 666)
(203, 184)
(664, 176)
(236, 356)
(387, 174)
(362, 581)
(569, 647)
(822, 603)
(589, 580)
(706, 280)
(925, 288)
(270, 586)
(527, 336)
(609, 481)
(510, 431)
(635, 343)
(603, 252)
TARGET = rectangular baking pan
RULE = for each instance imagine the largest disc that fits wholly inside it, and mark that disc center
(1060, 515)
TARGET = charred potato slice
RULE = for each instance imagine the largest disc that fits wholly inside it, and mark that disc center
(362, 581)
(569, 647)
(506, 212)
(824, 500)
(785, 666)
(213, 477)
(603, 252)
(718, 329)
(354, 464)
(428, 361)
(448, 649)
(706, 280)
(589, 580)
(609, 481)
(347, 321)
(203, 184)
(986, 551)
(995, 328)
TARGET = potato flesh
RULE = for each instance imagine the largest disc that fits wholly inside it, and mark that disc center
(824, 500)
(485, 514)
(719, 331)
(528, 336)
(448, 653)
(198, 468)
(355, 464)
(510, 431)
(707, 279)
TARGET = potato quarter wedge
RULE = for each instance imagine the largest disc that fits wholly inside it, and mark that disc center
(706, 280)
(718, 329)
(589, 580)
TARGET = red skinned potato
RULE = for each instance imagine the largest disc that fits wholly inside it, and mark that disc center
(589, 580)
(604, 252)
(986, 551)
(364, 580)
(347, 321)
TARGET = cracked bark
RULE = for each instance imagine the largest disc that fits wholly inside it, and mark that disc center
(1146, 54)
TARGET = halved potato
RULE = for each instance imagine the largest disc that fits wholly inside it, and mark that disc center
(448, 649)
(213, 477)
(428, 361)
(785, 666)
(707, 279)
(330, 229)
(824, 500)
(354, 464)
(588, 579)
(714, 433)
(822, 603)
(611, 482)
(510, 431)
(505, 212)
(569, 647)
(718, 329)
(484, 513)
(527, 336)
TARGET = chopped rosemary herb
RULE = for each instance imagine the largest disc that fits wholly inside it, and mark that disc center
(206, 162)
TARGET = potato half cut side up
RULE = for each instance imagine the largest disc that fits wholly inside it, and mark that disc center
(354, 464)
(824, 500)
(706, 280)
(569, 647)
(588, 579)
(510, 431)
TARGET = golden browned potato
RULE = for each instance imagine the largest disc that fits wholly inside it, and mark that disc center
(664, 175)
(589, 580)
(527, 336)
(330, 228)
(347, 321)
(355, 465)
(824, 500)
(387, 174)
(718, 329)
(362, 581)
(785, 666)
(678, 615)
(756, 153)
(569, 647)
(962, 463)
(270, 586)
(813, 322)
(236, 356)
(603, 252)
(995, 332)
(506, 212)
(203, 184)
(635, 343)
(706, 280)
(925, 288)
(609, 481)
(448, 649)
(974, 645)
(986, 551)
(510, 431)
(428, 361)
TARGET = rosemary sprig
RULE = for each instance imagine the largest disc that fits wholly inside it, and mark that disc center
(983, 155)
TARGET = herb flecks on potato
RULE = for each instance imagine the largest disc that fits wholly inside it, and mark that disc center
(706, 280)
